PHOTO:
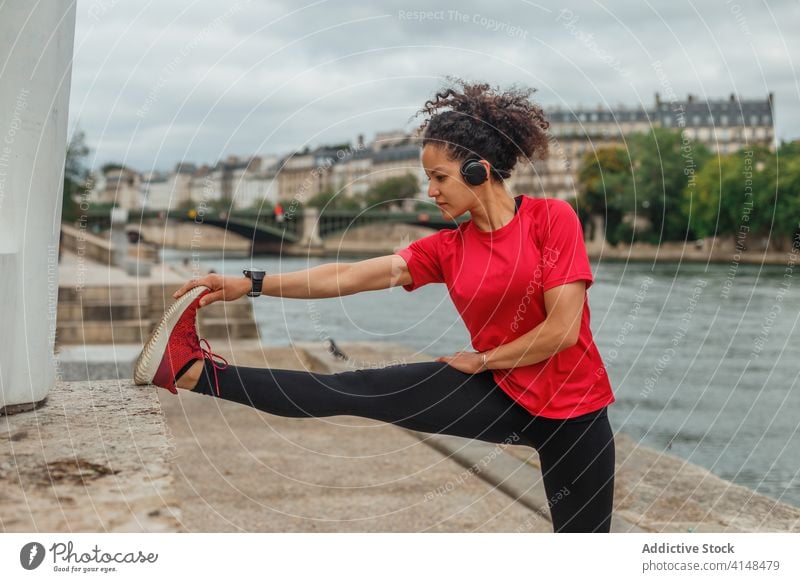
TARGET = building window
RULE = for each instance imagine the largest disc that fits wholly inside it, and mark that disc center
(754, 120)
(723, 120)
(696, 120)
(765, 119)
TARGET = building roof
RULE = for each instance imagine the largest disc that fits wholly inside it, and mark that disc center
(733, 111)
(614, 115)
(396, 154)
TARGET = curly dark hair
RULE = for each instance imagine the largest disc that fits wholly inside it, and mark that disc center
(500, 127)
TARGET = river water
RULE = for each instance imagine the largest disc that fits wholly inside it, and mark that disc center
(700, 356)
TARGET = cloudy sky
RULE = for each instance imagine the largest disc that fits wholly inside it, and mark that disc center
(159, 82)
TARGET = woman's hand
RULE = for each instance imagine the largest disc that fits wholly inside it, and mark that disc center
(467, 362)
(224, 288)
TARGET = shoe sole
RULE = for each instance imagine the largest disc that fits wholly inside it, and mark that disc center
(153, 351)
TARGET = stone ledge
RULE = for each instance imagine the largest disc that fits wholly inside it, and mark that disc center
(95, 456)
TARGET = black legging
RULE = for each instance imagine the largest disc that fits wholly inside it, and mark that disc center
(576, 454)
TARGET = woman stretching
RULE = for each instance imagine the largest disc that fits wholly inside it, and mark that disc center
(517, 273)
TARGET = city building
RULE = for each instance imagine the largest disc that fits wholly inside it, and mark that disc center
(117, 184)
(164, 191)
(254, 182)
(723, 125)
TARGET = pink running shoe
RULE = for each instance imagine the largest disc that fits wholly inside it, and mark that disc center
(174, 346)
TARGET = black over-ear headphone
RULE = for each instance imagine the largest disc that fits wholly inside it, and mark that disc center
(473, 172)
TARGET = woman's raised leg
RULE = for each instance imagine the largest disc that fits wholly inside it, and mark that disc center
(430, 397)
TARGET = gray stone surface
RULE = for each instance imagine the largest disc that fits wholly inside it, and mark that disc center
(96, 362)
(661, 492)
(94, 456)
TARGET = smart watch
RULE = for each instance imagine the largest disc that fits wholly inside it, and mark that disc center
(256, 277)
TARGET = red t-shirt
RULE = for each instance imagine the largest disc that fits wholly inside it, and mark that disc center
(497, 281)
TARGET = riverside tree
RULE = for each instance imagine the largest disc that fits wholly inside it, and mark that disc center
(76, 176)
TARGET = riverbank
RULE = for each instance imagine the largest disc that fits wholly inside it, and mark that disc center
(710, 250)
(378, 240)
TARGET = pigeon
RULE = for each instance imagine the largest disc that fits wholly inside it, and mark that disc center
(337, 353)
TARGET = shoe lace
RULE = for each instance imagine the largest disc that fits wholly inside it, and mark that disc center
(209, 355)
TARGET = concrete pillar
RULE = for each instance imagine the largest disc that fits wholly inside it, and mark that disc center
(36, 44)
(119, 238)
(598, 230)
(311, 228)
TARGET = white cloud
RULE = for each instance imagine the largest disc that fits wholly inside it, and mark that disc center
(268, 77)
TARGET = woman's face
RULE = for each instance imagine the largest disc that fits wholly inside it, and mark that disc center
(446, 186)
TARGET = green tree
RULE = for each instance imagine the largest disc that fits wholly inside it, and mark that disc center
(664, 164)
(704, 203)
(647, 177)
(325, 200)
(262, 205)
(186, 204)
(780, 179)
(392, 191)
(735, 195)
(604, 177)
(351, 203)
(329, 200)
(222, 204)
(112, 166)
(789, 148)
(76, 176)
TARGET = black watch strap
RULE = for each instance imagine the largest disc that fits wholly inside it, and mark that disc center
(256, 277)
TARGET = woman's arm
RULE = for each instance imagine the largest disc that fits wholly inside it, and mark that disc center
(557, 332)
(339, 279)
(330, 280)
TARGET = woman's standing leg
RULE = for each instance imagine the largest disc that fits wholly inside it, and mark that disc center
(577, 457)
(430, 397)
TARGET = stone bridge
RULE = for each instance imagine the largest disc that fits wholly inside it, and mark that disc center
(268, 235)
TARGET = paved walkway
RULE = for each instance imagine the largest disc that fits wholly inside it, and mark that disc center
(93, 457)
